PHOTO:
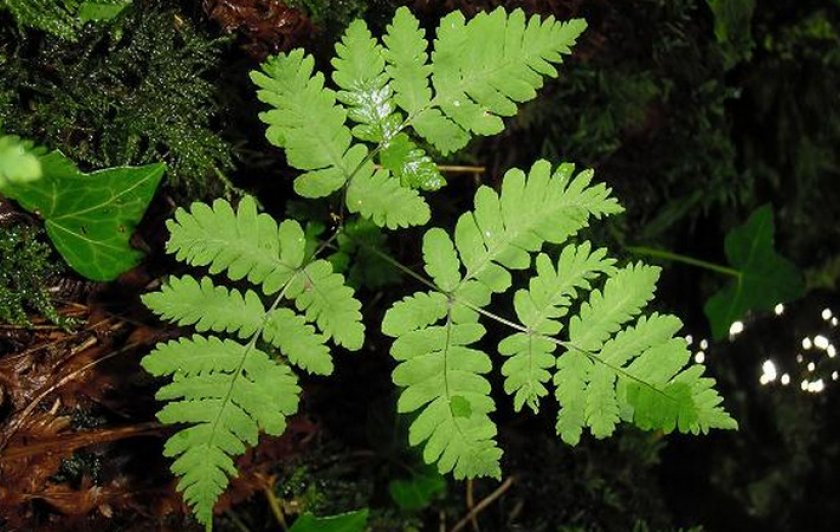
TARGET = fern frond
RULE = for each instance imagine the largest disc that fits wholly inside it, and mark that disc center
(542, 206)
(186, 301)
(410, 164)
(637, 374)
(443, 377)
(329, 303)
(306, 122)
(227, 392)
(624, 296)
(608, 370)
(405, 52)
(360, 72)
(481, 70)
(381, 198)
(243, 244)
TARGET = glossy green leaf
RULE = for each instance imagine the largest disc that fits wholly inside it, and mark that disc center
(90, 217)
(349, 522)
(410, 164)
(764, 278)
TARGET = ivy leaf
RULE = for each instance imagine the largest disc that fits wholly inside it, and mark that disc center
(90, 217)
(18, 160)
(764, 278)
(348, 522)
(417, 491)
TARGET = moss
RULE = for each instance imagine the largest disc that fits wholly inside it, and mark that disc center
(134, 91)
(25, 264)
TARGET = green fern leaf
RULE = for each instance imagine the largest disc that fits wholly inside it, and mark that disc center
(186, 301)
(443, 377)
(244, 244)
(608, 371)
(414, 312)
(360, 72)
(224, 390)
(624, 296)
(542, 206)
(207, 307)
(407, 59)
(322, 294)
(483, 68)
(480, 71)
(381, 198)
(410, 164)
(227, 392)
(308, 123)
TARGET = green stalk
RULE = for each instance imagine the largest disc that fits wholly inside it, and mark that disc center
(676, 257)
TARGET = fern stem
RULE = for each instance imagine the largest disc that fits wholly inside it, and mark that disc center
(676, 257)
(399, 265)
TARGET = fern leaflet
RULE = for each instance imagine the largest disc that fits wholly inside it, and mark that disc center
(607, 371)
(479, 70)
(227, 390)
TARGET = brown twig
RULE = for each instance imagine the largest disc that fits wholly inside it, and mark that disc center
(471, 504)
(71, 442)
(483, 503)
(276, 508)
(15, 425)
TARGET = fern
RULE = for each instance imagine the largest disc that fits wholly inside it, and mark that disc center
(581, 324)
(611, 367)
(228, 389)
(479, 70)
